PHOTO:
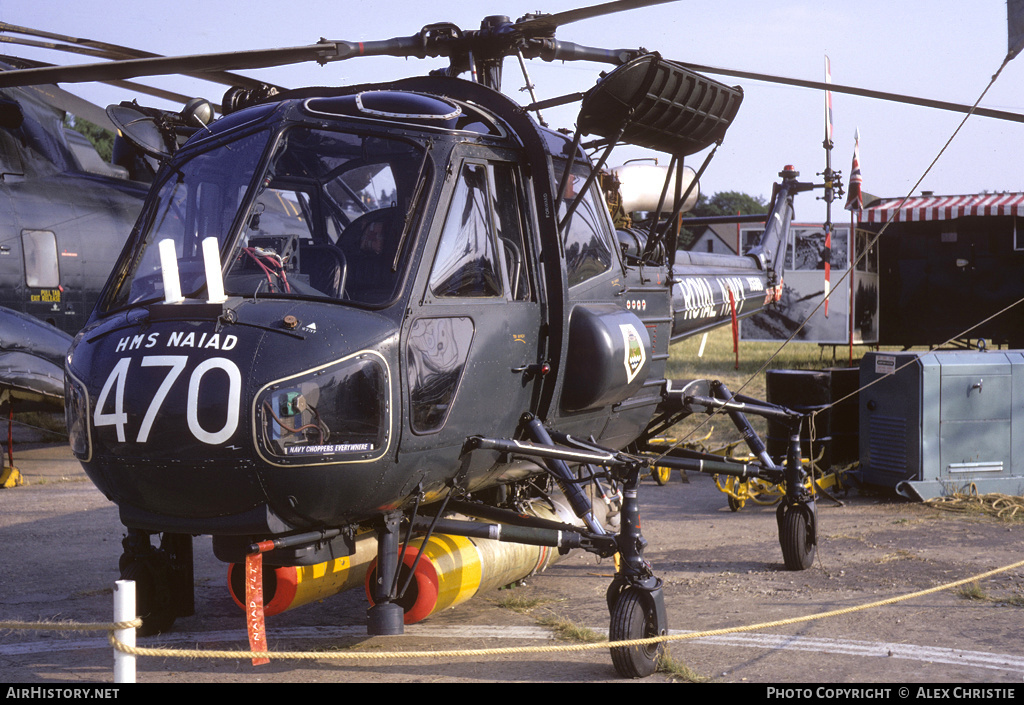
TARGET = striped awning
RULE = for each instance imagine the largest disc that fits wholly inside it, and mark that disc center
(923, 208)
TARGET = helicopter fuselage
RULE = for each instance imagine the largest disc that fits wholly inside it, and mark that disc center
(395, 281)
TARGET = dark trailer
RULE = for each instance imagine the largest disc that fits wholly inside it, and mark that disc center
(948, 266)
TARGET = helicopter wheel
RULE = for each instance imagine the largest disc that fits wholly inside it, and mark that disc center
(152, 596)
(661, 474)
(735, 504)
(797, 537)
(633, 617)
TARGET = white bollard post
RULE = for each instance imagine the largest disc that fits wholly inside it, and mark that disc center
(124, 611)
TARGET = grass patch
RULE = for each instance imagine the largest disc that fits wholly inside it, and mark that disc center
(50, 425)
(676, 670)
(521, 603)
(567, 630)
(899, 555)
(974, 591)
(720, 362)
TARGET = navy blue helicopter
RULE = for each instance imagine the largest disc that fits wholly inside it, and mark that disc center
(351, 320)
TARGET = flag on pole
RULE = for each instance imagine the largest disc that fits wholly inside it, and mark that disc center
(827, 256)
(855, 201)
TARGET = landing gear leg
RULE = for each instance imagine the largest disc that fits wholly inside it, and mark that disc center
(386, 617)
(164, 584)
(796, 516)
(635, 598)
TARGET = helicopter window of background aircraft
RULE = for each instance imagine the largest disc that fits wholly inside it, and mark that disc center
(588, 250)
(467, 260)
(41, 270)
(10, 155)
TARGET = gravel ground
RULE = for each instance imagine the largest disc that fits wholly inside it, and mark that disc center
(722, 569)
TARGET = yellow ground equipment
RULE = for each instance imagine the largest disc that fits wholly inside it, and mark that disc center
(759, 491)
(10, 477)
(663, 474)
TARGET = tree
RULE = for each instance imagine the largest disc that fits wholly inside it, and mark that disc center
(729, 203)
(722, 203)
(102, 140)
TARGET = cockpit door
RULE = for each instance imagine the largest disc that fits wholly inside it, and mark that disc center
(472, 347)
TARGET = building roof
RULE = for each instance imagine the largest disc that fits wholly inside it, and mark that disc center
(928, 207)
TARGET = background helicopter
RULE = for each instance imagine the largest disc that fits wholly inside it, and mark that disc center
(562, 400)
(60, 204)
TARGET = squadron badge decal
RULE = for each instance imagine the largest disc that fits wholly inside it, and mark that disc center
(635, 353)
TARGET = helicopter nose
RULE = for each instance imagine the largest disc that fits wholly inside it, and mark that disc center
(209, 421)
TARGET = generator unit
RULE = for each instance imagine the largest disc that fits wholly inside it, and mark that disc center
(935, 423)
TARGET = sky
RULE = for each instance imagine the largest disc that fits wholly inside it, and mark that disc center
(942, 49)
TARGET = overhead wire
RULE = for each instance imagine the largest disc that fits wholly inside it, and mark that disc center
(848, 272)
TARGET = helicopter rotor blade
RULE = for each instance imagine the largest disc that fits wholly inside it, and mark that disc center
(71, 48)
(68, 102)
(854, 90)
(322, 52)
(110, 51)
(46, 92)
(548, 23)
(104, 50)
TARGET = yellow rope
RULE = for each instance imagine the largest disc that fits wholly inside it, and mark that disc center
(1003, 506)
(460, 653)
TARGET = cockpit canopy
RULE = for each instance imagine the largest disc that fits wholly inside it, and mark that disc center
(326, 213)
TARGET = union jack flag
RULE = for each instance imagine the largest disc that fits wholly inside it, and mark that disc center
(855, 199)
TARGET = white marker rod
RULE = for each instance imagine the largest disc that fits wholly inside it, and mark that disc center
(214, 280)
(169, 269)
(124, 611)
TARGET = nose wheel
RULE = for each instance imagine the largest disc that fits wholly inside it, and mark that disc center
(634, 615)
(797, 534)
(163, 579)
(634, 598)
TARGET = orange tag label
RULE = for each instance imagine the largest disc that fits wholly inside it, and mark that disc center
(254, 606)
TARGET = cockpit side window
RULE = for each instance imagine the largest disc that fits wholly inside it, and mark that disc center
(586, 237)
(506, 201)
(467, 263)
